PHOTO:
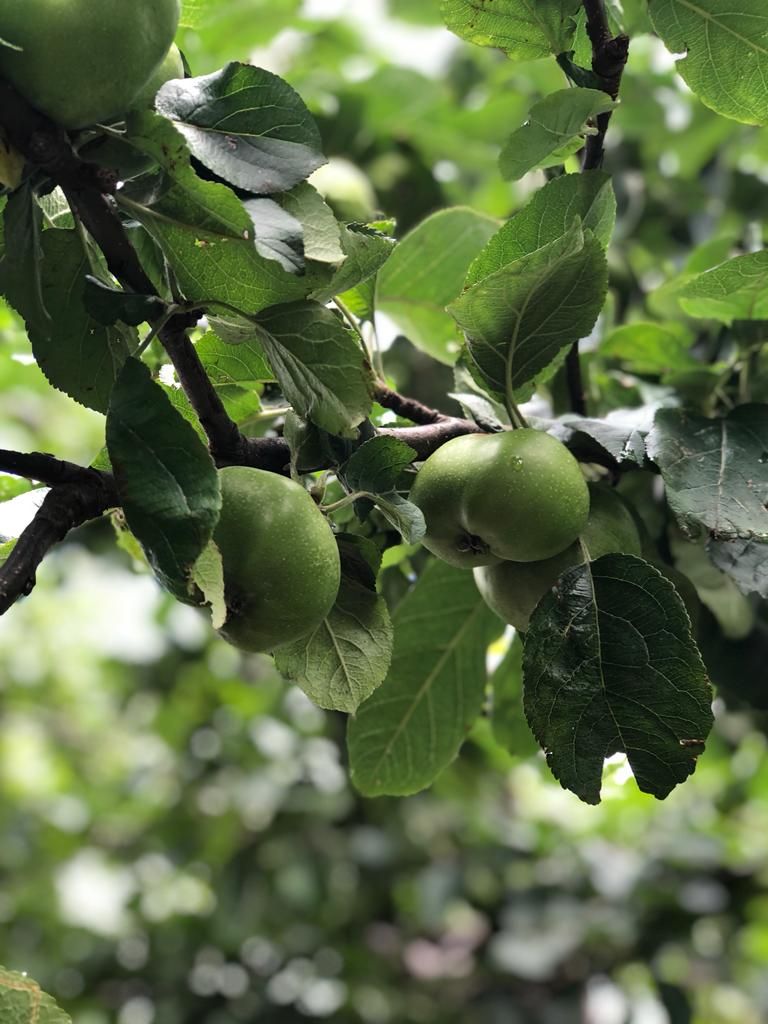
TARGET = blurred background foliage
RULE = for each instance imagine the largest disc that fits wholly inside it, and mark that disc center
(180, 843)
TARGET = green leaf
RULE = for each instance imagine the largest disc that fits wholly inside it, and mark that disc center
(519, 319)
(549, 215)
(726, 47)
(366, 251)
(167, 481)
(107, 305)
(510, 729)
(194, 13)
(22, 1001)
(553, 123)
(523, 29)
(246, 125)
(277, 234)
(426, 272)
(12, 487)
(715, 589)
(715, 470)
(610, 666)
(619, 434)
(208, 575)
(651, 349)
(736, 290)
(78, 355)
(6, 547)
(319, 364)
(411, 728)
(406, 517)
(22, 258)
(321, 230)
(203, 229)
(243, 364)
(378, 464)
(342, 662)
(745, 561)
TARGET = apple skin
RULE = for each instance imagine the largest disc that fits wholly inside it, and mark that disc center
(84, 61)
(171, 67)
(281, 561)
(518, 494)
(513, 589)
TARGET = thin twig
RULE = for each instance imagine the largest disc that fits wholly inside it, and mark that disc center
(408, 408)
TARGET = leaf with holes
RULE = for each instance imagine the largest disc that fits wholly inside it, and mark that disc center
(610, 666)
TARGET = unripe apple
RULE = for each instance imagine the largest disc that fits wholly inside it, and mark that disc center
(519, 494)
(84, 61)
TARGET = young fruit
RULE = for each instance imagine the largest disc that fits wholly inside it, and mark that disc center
(84, 61)
(171, 67)
(513, 589)
(281, 562)
(514, 495)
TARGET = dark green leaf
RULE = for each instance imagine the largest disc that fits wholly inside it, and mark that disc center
(167, 482)
(518, 319)
(610, 666)
(411, 728)
(715, 470)
(78, 355)
(108, 305)
(245, 124)
(549, 215)
(378, 464)
(22, 258)
(745, 561)
(203, 229)
(319, 364)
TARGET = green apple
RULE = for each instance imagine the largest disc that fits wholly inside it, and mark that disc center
(84, 61)
(513, 589)
(171, 67)
(519, 494)
(281, 561)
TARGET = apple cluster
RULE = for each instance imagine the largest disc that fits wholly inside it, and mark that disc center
(515, 508)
